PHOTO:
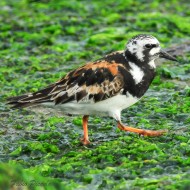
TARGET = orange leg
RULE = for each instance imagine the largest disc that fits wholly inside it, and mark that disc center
(143, 132)
(85, 140)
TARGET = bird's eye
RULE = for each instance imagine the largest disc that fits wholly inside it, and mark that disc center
(148, 46)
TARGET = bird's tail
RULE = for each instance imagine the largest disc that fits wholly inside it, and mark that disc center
(31, 99)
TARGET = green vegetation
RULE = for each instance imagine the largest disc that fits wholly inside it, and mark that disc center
(40, 41)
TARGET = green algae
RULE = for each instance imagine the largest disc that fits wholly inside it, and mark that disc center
(40, 42)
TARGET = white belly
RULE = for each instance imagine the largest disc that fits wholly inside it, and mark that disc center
(109, 107)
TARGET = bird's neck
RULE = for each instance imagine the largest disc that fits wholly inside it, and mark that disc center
(142, 73)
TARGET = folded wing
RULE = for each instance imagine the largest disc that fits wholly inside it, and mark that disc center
(88, 84)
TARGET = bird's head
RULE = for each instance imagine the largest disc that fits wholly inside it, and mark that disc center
(145, 48)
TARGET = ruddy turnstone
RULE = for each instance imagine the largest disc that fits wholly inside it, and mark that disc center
(104, 87)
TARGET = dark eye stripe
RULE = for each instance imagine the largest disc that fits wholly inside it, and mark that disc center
(149, 46)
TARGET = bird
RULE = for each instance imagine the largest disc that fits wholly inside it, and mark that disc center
(103, 87)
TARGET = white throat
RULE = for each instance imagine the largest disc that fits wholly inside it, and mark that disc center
(136, 72)
(152, 64)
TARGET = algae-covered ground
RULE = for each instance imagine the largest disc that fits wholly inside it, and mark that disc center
(40, 41)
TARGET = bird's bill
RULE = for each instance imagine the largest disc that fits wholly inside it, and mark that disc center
(166, 55)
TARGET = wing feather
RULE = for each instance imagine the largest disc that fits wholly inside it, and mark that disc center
(90, 83)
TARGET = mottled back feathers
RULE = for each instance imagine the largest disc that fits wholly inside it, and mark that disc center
(90, 83)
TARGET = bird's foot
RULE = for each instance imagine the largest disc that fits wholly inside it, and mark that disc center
(84, 141)
(150, 133)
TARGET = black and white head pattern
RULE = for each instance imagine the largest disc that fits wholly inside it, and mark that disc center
(144, 47)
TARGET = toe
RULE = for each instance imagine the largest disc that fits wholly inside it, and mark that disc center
(153, 133)
(84, 141)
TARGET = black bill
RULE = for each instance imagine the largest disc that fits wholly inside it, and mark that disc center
(166, 55)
